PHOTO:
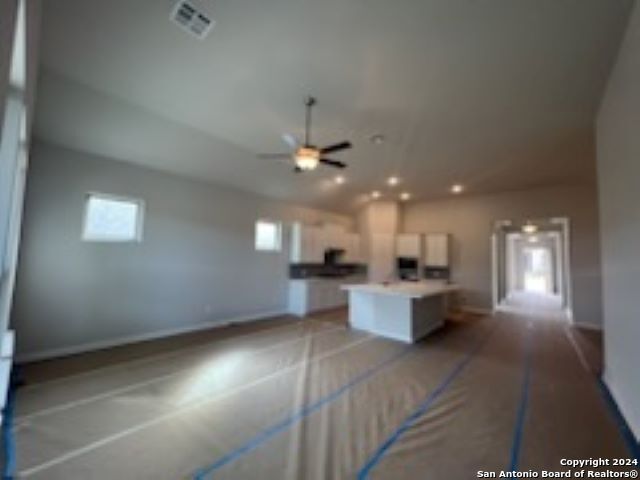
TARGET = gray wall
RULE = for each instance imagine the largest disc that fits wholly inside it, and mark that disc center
(619, 176)
(197, 262)
(8, 12)
(470, 221)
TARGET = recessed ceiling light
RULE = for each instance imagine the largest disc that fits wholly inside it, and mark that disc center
(393, 181)
(376, 194)
(457, 188)
(529, 228)
(339, 179)
(377, 139)
(404, 196)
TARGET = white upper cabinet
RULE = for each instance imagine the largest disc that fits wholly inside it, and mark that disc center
(308, 243)
(335, 236)
(436, 250)
(352, 253)
(409, 245)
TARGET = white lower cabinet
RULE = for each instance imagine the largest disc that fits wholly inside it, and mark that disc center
(315, 294)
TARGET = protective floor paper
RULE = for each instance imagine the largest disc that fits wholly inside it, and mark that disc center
(313, 399)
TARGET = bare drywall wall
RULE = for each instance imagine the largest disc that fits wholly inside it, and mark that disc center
(618, 176)
(470, 221)
(196, 264)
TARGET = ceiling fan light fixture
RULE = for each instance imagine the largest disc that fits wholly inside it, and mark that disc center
(307, 158)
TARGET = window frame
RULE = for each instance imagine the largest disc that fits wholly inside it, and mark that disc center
(279, 234)
(140, 218)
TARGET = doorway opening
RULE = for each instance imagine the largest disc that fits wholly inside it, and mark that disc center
(531, 267)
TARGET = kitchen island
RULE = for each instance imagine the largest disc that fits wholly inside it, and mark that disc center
(405, 311)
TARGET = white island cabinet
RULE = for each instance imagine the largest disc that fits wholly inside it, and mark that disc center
(404, 311)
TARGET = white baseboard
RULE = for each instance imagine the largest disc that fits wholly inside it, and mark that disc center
(622, 406)
(587, 326)
(126, 340)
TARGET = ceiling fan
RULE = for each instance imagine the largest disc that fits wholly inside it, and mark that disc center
(305, 155)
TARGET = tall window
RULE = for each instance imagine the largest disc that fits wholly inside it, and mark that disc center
(268, 236)
(112, 219)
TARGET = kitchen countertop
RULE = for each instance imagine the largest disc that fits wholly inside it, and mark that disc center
(404, 289)
(331, 278)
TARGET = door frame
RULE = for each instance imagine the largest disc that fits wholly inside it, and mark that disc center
(500, 228)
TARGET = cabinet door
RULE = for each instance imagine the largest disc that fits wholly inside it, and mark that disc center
(408, 245)
(325, 296)
(319, 245)
(296, 243)
(336, 294)
(437, 250)
(356, 246)
(308, 239)
(298, 298)
(334, 235)
(307, 244)
(315, 297)
(351, 248)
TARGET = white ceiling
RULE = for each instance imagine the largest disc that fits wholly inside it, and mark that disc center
(496, 94)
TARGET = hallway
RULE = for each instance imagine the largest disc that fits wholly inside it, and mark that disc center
(546, 305)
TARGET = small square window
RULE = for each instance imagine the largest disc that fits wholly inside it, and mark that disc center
(268, 236)
(112, 219)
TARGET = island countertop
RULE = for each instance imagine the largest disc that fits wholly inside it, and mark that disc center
(404, 289)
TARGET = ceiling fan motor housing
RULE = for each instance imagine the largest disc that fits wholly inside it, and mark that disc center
(307, 158)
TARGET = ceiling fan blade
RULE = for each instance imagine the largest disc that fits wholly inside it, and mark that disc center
(291, 141)
(333, 163)
(274, 156)
(335, 148)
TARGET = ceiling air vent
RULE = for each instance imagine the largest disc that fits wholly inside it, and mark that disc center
(191, 19)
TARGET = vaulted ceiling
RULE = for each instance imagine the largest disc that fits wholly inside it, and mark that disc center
(495, 94)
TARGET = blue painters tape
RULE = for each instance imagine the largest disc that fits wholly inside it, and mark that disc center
(370, 464)
(627, 434)
(8, 444)
(625, 431)
(299, 415)
(518, 430)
